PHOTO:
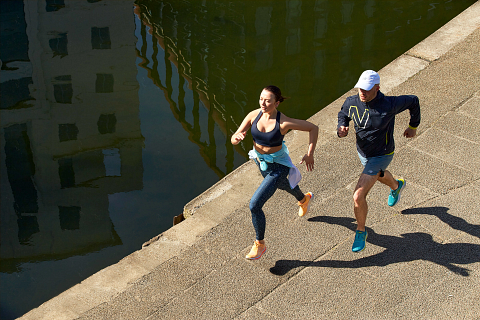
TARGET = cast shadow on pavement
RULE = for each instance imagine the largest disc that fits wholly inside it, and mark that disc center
(454, 222)
(405, 248)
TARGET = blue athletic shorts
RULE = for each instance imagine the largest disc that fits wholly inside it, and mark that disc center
(374, 165)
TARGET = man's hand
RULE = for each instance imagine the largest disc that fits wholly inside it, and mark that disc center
(308, 162)
(342, 131)
(410, 133)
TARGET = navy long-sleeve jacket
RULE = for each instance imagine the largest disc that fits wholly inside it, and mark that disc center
(374, 121)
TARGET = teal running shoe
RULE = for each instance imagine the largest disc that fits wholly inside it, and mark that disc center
(394, 196)
(359, 242)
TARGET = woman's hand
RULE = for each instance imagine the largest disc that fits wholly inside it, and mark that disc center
(246, 124)
(237, 137)
(302, 125)
(308, 162)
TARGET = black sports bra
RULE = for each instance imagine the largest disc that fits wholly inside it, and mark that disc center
(272, 138)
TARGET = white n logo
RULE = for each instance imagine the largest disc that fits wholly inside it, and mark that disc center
(355, 116)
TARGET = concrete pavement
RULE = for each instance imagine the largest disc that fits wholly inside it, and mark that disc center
(422, 258)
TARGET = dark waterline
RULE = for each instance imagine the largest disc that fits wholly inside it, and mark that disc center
(114, 113)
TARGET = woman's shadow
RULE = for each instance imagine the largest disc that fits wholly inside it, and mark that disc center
(407, 247)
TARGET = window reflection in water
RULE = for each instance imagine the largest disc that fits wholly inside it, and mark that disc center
(63, 147)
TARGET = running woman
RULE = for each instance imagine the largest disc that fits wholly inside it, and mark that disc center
(268, 127)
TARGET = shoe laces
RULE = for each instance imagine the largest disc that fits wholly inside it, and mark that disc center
(305, 203)
(360, 235)
(258, 244)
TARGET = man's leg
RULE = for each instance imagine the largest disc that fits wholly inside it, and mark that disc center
(388, 180)
(396, 187)
(364, 184)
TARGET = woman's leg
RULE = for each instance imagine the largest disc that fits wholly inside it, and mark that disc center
(284, 184)
(265, 191)
(304, 200)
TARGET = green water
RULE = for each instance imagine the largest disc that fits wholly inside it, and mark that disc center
(115, 114)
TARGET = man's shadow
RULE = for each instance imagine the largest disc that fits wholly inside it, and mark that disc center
(407, 247)
(454, 222)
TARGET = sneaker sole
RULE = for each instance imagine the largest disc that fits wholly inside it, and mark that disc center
(309, 203)
(360, 250)
(258, 257)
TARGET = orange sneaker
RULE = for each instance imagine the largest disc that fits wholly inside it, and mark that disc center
(257, 250)
(305, 205)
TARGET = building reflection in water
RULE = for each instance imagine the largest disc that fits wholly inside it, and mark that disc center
(70, 127)
(167, 55)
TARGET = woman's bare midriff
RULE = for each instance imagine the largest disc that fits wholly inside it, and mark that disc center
(266, 150)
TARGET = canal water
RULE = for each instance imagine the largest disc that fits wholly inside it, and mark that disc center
(116, 113)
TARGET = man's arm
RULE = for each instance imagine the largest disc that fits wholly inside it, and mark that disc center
(411, 103)
(343, 121)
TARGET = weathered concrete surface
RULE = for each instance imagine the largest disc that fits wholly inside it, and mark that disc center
(422, 258)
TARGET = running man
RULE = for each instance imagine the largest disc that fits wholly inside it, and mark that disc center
(373, 116)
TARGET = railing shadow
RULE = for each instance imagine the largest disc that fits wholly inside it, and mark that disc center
(405, 248)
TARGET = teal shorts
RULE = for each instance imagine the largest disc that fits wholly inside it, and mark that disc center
(374, 165)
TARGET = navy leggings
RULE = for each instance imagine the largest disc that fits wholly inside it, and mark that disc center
(275, 177)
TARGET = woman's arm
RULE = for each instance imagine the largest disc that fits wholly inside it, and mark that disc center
(241, 132)
(302, 125)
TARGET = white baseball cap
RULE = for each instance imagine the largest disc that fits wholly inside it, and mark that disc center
(367, 80)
